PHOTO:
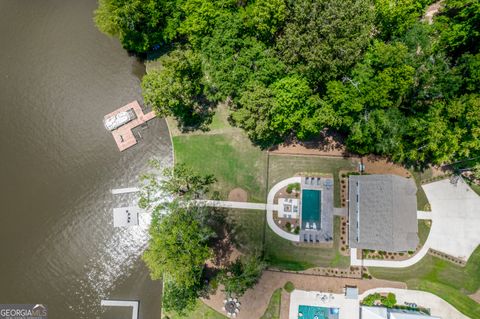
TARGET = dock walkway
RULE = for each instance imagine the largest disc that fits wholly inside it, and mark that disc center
(123, 135)
(123, 303)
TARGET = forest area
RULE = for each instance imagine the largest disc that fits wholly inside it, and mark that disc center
(392, 82)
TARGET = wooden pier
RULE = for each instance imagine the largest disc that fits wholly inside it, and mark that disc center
(123, 135)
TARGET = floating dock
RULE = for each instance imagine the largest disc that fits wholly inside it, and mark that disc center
(123, 135)
(123, 303)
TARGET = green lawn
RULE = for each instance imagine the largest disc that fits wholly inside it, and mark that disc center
(248, 227)
(442, 278)
(283, 254)
(201, 311)
(273, 309)
(423, 230)
(284, 166)
(422, 201)
(230, 156)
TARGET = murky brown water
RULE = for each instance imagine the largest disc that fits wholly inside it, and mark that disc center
(58, 77)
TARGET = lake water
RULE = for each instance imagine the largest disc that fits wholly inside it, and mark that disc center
(59, 77)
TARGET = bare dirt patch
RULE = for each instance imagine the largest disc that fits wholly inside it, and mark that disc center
(378, 165)
(238, 195)
(326, 145)
(432, 10)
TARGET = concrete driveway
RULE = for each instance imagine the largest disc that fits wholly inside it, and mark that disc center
(455, 227)
(455, 218)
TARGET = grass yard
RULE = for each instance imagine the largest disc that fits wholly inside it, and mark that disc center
(201, 311)
(273, 309)
(423, 230)
(284, 166)
(248, 227)
(231, 157)
(442, 278)
(283, 254)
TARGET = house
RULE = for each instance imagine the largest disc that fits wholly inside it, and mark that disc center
(387, 313)
(382, 212)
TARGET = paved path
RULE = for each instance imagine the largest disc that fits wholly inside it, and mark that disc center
(271, 207)
(438, 306)
(424, 215)
(231, 204)
(455, 227)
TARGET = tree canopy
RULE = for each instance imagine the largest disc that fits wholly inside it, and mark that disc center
(374, 71)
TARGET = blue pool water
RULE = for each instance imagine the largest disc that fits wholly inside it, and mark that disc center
(311, 312)
(311, 203)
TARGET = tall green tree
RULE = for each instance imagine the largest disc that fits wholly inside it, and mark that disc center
(176, 89)
(139, 24)
(242, 274)
(286, 108)
(394, 18)
(459, 27)
(323, 39)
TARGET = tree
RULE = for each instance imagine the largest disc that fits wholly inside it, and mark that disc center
(201, 16)
(139, 24)
(285, 108)
(176, 88)
(459, 27)
(323, 39)
(241, 275)
(265, 18)
(233, 60)
(179, 182)
(395, 17)
(179, 298)
(178, 247)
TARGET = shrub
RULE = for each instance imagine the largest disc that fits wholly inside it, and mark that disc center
(389, 301)
(288, 226)
(291, 187)
(370, 299)
(289, 287)
(297, 230)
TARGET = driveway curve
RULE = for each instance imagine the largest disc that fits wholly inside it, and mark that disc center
(270, 207)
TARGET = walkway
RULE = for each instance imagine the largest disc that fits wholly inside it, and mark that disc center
(269, 207)
(123, 135)
(239, 205)
(438, 306)
(122, 303)
(455, 227)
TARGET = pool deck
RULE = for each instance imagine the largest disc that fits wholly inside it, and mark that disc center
(123, 135)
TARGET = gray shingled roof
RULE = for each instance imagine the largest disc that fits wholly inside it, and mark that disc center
(385, 215)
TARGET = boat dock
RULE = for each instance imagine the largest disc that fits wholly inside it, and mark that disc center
(123, 135)
(118, 191)
(123, 303)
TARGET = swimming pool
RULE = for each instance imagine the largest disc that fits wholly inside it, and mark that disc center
(311, 202)
(311, 312)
